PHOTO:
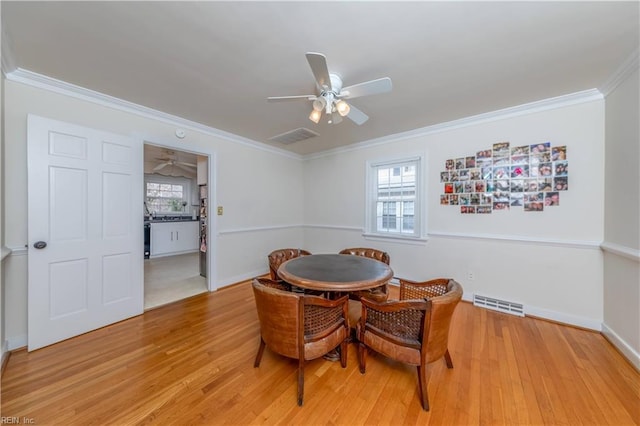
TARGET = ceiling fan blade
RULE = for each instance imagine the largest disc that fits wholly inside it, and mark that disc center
(318, 64)
(356, 115)
(187, 169)
(186, 164)
(160, 166)
(292, 98)
(372, 87)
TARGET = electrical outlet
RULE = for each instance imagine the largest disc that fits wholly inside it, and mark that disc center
(470, 275)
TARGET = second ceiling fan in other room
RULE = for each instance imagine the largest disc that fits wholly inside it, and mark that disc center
(174, 162)
(331, 95)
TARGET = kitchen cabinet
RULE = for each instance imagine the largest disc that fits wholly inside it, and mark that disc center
(169, 238)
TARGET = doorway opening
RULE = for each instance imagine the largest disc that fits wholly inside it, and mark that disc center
(175, 208)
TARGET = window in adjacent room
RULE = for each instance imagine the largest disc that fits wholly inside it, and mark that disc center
(166, 196)
(394, 198)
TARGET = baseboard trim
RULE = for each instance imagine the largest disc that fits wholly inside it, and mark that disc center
(6, 354)
(17, 342)
(562, 318)
(242, 277)
(623, 347)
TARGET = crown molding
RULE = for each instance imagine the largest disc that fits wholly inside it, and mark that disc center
(621, 74)
(44, 82)
(33, 79)
(501, 114)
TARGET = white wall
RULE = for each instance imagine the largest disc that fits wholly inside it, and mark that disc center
(3, 345)
(622, 218)
(550, 261)
(260, 189)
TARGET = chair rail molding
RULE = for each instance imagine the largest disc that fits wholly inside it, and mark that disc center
(258, 229)
(619, 250)
(593, 245)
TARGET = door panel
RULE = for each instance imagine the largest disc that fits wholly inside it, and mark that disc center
(84, 192)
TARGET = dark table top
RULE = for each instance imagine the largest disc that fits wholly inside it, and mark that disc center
(335, 272)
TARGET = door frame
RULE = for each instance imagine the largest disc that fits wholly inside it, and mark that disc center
(211, 183)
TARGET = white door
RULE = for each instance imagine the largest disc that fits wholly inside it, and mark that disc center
(85, 204)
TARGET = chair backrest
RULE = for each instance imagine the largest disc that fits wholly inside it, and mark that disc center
(280, 285)
(279, 315)
(438, 321)
(423, 290)
(372, 253)
(277, 257)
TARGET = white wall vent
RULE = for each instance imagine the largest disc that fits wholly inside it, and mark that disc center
(292, 136)
(498, 305)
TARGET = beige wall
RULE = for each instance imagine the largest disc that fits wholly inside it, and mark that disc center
(550, 261)
(622, 219)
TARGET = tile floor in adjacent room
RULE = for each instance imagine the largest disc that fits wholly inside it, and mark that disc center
(171, 278)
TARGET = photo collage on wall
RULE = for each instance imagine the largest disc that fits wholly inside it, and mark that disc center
(530, 177)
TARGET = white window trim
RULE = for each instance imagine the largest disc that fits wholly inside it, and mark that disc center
(421, 203)
(185, 182)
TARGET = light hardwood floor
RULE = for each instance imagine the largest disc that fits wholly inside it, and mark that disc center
(191, 362)
(171, 278)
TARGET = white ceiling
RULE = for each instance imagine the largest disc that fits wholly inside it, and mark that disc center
(215, 63)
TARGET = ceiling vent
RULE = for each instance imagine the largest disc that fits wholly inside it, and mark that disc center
(296, 135)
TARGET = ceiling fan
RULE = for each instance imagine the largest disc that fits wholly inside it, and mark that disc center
(331, 95)
(174, 162)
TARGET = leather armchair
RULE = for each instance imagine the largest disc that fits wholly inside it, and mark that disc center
(300, 326)
(413, 331)
(379, 294)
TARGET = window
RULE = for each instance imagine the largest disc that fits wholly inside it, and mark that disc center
(394, 198)
(166, 196)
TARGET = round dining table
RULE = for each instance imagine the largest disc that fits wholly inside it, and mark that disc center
(338, 273)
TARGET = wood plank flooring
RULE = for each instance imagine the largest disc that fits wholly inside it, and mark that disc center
(191, 362)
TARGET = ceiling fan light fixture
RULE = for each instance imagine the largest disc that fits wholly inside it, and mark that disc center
(315, 115)
(343, 108)
(319, 104)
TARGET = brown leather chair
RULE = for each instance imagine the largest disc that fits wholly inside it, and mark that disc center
(300, 326)
(379, 294)
(413, 331)
(278, 257)
(280, 285)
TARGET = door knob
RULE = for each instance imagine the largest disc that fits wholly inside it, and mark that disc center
(40, 245)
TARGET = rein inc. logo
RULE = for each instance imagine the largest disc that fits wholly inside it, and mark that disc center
(7, 420)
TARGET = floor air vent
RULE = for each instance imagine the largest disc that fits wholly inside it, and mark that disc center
(296, 135)
(498, 305)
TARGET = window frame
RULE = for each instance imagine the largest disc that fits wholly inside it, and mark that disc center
(371, 198)
(186, 191)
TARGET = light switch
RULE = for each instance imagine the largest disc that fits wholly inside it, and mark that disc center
(219, 210)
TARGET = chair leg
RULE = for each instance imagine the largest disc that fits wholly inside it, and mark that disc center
(343, 353)
(447, 359)
(362, 357)
(422, 384)
(300, 380)
(259, 354)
